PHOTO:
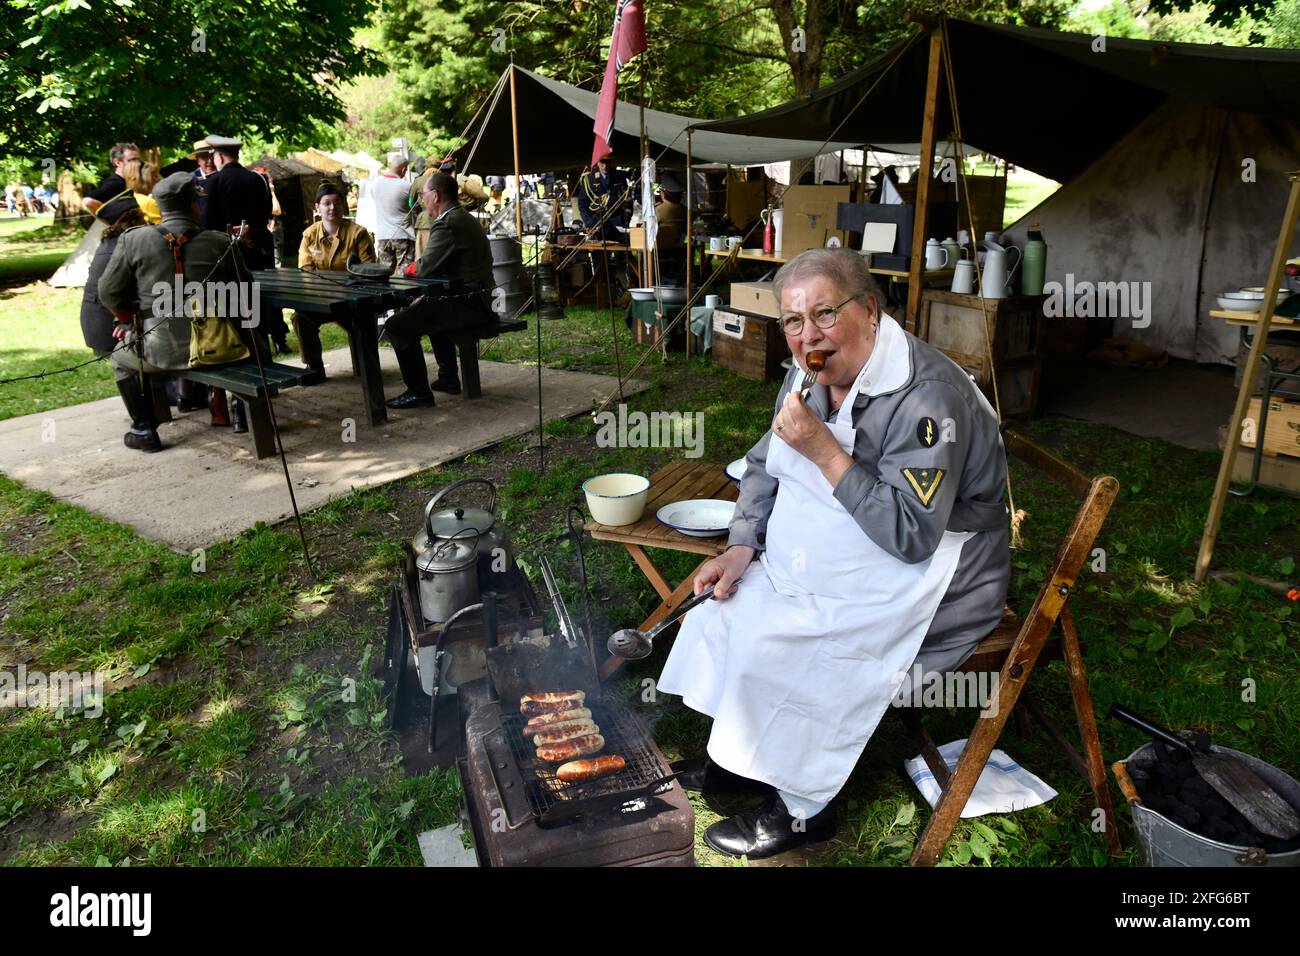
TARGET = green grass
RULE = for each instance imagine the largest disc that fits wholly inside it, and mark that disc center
(34, 247)
(243, 728)
(1023, 195)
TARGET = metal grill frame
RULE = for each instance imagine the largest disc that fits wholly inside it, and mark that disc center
(552, 800)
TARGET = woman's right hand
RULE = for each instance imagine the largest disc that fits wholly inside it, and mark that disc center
(724, 571)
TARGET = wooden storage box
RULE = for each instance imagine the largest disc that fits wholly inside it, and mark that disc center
(754, 298)
(1281, 471)
(750, 345)
(1281, 431)
(955, 324)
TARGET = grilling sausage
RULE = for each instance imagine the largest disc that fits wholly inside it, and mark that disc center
(530, 705)
(542, 721)
(556, 733)
(576, 770)
(571, 749)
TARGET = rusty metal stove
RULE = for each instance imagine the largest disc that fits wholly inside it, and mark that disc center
(519, 814)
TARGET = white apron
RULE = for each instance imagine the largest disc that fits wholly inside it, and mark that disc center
(799, 665)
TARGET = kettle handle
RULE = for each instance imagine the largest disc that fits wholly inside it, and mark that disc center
(428, 509)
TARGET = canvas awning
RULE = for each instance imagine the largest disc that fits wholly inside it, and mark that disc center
(555, 132)
(1037, 98)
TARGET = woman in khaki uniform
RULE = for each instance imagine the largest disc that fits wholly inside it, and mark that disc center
(326, 247)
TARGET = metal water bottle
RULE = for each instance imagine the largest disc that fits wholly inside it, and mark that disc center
(769, 232)
(1034, 269)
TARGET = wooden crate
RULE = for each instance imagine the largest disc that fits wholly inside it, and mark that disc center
(1281, 471)
(955, 324)
(750, 345)
(1282, 431)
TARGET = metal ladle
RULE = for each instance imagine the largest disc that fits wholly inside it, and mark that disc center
(632, 644)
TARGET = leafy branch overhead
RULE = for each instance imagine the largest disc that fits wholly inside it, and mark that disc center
(77, 76)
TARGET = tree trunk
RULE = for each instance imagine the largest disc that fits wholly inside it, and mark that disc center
(803, 44)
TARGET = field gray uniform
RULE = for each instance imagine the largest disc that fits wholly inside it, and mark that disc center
(141, 260)
(892, 441)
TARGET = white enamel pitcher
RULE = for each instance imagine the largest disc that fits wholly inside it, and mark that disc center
(996, 276)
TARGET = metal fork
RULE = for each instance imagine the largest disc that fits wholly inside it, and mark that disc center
(809, 380)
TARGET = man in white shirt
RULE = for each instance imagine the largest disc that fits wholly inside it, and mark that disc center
(390, 192)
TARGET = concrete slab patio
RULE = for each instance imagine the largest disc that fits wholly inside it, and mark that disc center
(205, 486)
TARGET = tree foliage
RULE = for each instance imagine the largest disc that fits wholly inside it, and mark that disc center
(78, 75)
(703, 59)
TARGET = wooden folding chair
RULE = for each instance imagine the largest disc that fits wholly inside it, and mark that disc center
(1014, 648)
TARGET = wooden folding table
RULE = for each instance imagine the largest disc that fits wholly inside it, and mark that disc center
(679, 480)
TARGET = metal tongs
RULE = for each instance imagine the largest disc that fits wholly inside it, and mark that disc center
(568, 630)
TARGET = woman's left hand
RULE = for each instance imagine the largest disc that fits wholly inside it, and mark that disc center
(801, 429)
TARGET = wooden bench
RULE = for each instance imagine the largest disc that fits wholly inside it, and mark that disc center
(466, 343)
(245, 380)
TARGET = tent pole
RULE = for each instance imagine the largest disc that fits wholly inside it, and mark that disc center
(923, 176)
(1248, 374)
(862, 176)
(690, 247)
(519, 231)
(519, 185)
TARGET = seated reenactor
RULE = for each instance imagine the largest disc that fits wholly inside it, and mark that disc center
(141, 279)
(457, 250)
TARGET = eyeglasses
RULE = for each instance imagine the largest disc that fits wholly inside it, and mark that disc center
(823, 317)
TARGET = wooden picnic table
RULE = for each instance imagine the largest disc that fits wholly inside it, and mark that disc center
(341, 296)
(680, 480)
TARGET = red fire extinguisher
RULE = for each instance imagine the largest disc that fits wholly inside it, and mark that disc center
(769, 232)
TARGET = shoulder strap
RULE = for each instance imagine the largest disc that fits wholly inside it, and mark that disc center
(177, 244)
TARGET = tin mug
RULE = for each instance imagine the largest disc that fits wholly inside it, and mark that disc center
(717, 243)
(963, 277)
(733, 243)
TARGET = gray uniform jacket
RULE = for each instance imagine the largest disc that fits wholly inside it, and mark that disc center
(928, 458)
(458, 248)
(142, 260)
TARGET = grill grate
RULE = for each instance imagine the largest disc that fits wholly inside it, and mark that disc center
(550, 798)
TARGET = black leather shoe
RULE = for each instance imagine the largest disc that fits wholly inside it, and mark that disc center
(769, 830)
(409, 399)
(142, 438)
(442, 385)
(702, 775)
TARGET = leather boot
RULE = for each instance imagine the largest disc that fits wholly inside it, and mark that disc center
(417, 395)
(143, 435)
(193, 396)
(217, 405)
(237, 417)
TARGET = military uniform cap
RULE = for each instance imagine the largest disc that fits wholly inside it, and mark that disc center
(175, 193)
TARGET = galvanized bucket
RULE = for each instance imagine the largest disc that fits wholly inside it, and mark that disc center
(1165, 843)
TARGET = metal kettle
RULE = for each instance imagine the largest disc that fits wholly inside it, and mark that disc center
(448, 574)
(476, 527)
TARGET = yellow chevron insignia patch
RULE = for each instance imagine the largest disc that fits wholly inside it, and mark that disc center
(924, 481)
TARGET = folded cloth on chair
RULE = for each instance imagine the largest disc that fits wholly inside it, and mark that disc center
(1003, 786)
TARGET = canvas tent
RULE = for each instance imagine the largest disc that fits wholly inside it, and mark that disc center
(1168, 205)
(555, 132)
(1149, 139)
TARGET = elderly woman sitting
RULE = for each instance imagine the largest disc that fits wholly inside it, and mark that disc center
(326, 247)
(870, 534)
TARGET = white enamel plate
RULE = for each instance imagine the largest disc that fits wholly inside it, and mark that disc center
(699, 518)
(736, 470)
